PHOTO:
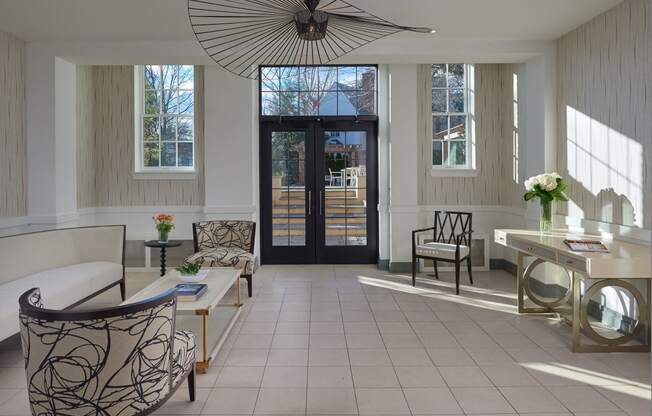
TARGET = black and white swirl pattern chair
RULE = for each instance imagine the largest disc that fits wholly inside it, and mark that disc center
(126, 360)
(226, 244)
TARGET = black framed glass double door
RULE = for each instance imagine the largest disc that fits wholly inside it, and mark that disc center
(319, 192)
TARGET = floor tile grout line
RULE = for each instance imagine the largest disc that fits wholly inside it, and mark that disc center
(308, 363)
(348, 356)
(269, 349)
(387, 351)
(450, 389)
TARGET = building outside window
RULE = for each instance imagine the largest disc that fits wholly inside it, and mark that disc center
(318, 90)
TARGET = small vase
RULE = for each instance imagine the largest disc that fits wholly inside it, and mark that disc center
(545, 222)
(163, 236)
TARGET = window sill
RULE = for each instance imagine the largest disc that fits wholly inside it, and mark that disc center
(453, 173)
(165, 175)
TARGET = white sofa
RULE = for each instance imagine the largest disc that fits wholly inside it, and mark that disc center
(69, 266)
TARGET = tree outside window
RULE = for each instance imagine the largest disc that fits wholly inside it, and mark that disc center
(168, 116)
(450, 115)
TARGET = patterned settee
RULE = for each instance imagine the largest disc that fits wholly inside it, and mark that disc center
(126, 360)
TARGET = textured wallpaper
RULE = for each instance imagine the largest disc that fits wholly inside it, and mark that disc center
(13, 139)
(85, 138)
(495, 183)
(107, 127)
(605, 116)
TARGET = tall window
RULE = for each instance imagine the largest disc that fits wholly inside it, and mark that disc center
(165, 113)
(318, 91)
(451, 135)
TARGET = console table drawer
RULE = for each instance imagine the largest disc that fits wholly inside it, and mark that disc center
(572, 263)
(535, 250)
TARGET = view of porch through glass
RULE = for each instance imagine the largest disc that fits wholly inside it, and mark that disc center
(345, 204)
(288, 188)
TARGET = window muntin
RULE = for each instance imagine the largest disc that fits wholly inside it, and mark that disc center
(451, 134)
(318, 91)
(167, 117)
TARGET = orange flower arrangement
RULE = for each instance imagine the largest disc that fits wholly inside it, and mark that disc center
(164, 224)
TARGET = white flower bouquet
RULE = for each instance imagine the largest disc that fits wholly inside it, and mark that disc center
(548, 187)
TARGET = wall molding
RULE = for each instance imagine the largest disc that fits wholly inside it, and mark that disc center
(503, 209)
(230, 209)
(190, 209)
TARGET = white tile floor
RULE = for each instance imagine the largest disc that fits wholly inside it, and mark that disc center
(353, 340)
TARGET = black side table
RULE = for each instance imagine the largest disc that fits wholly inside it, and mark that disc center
(163, 246)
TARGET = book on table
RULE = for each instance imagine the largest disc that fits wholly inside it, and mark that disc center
(587, 246)
(190, 292)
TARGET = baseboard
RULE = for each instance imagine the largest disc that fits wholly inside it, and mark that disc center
(383, 264)
(502, 264)
(400, 267)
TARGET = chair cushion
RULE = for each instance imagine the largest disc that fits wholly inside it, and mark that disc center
(225, 257)
(59, 287)
(184, 355)
(441, 250)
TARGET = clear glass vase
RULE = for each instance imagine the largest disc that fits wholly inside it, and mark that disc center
(545, 222)
(163, 236)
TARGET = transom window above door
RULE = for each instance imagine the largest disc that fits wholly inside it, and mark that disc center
(318, 90)
(165, 107)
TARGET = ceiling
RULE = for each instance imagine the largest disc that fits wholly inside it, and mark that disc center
(167, 20)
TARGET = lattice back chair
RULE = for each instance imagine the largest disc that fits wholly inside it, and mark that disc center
(126, 360)
(451, 234)
(226, 243)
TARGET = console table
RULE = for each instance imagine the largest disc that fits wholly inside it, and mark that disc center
(593, 271)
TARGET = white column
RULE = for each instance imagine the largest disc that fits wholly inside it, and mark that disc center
(384, 240)
(229, 152)
(404, 210)
(540, 120)
(51, 136)
(65, 125)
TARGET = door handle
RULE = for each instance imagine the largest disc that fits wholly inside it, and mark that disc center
(320, 204)
(309, 203)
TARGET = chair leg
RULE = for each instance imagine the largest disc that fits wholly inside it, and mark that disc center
(414, 270)
(191, 384)
(468, 266)
(457, 278)
(123, 289)
(250, 289)
(434, 263)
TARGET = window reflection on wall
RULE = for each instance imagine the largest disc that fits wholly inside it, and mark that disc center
(608, 167)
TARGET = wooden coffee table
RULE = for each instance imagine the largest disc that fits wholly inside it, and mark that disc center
(207, 317)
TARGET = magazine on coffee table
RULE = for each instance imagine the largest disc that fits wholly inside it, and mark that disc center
(587, 246)
(190, 292)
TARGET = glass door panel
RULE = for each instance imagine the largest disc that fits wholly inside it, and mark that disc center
(345, 161)
(349, 204)
(288, 188)
(286, 193)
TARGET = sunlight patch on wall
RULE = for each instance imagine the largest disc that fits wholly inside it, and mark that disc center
(607, 164)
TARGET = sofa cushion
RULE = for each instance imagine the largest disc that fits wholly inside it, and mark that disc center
(441, 250)
(225, 257)
(59, 287)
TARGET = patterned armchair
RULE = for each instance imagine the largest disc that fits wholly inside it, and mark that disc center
(126, 360)
(226, 244)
